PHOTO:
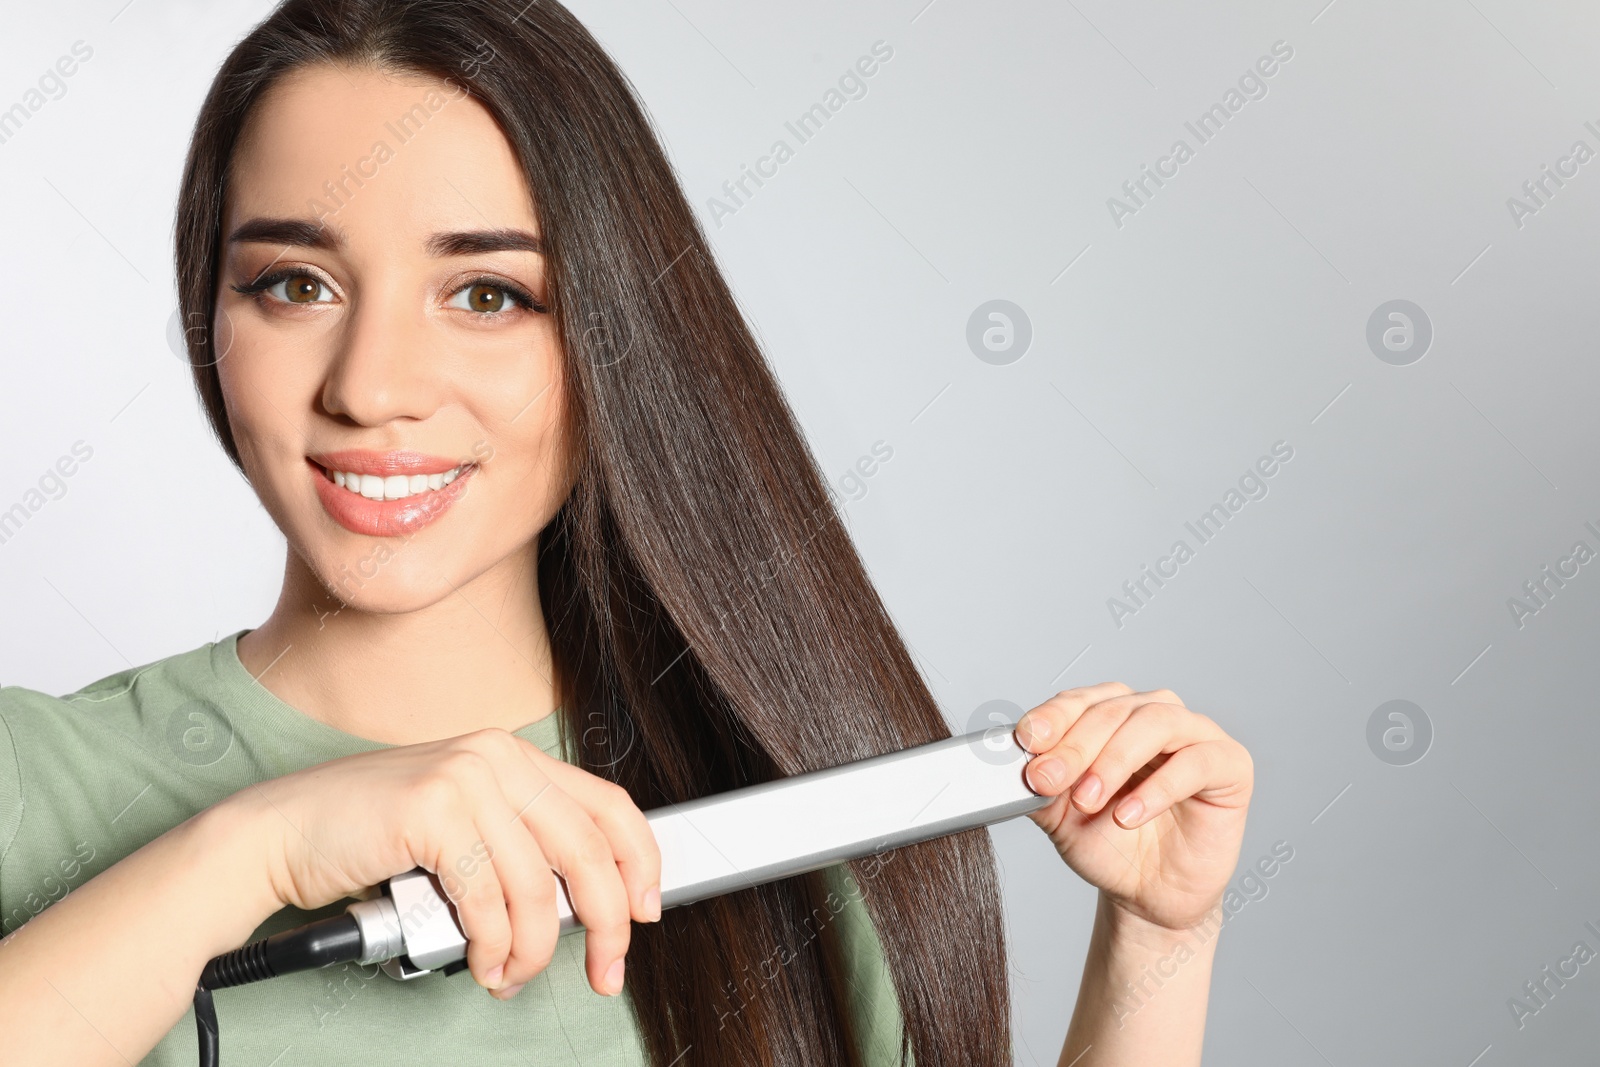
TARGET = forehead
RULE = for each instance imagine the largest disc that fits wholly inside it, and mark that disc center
(388, 155)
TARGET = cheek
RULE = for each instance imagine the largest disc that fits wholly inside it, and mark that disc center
(273, 362)
(242, 424)
(536, 460)
(536, 455)
(528, 434)
(264, 395)
(556, 446)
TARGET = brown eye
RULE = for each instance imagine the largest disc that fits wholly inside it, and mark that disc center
(287, 287)
(486, 298)
(491, 298)
(302, 289)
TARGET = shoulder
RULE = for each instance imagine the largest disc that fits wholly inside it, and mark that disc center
(88, 776)
(870, 992)
(123, 706)
(40, 736)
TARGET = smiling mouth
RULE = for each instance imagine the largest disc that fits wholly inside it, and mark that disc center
(388, 494)
(394, 486)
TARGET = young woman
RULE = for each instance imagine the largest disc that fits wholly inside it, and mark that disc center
(557, 554)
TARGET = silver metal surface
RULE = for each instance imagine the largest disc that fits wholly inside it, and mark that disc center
(432, 935)
(778, 829)
(379, 923)
(746, 837)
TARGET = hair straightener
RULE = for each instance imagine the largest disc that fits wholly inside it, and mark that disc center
(709, 846)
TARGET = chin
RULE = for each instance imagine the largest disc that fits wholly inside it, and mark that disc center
(382, 581)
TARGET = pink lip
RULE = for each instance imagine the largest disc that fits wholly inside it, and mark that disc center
(386, 518)
(383, 464)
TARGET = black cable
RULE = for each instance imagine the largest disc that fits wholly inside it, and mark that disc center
(320, 944)
(205, 1017)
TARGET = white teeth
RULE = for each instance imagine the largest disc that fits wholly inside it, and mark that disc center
(394, 487)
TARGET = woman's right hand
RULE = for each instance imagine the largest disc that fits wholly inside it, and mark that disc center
(492, 815)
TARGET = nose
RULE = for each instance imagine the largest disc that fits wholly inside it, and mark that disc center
(380, 368)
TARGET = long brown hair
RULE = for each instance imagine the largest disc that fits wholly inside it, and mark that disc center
(712, 622)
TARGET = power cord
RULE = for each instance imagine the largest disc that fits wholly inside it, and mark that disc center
(319, 944)
(410, 928)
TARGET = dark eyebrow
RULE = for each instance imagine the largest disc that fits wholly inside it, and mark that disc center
(471, 242)
(305, 234)
(288, 232)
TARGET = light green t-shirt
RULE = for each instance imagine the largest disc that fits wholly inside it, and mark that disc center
(87, 779)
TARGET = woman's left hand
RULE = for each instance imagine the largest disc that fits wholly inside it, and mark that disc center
(1158, 795)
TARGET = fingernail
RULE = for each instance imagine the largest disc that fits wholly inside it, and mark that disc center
(492, 979)
(509, 991)
(652, 904)
(1088, 789)
(1047, 773)
(1033, 729)
(613, 980)
(1129, 810)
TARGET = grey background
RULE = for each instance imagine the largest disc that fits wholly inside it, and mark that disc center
(1167, 355)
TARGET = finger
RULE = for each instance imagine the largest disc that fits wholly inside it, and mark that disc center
(442, 801)
(568, 843)
(1061, 766)
(1149, 731)
(526, 881)
(581, 853)
(573, 845)
(633, 843)
(1215, 768)
(1044, 725)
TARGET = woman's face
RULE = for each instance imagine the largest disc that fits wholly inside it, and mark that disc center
(390, 336)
